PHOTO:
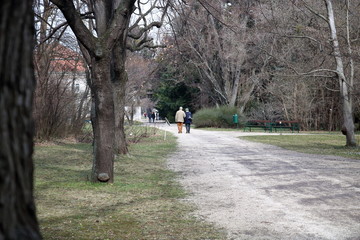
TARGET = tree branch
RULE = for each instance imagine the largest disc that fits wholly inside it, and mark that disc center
(138, 48)
(64, 24)
(311, 73)
(314, 12)
(306, 37)
(147, 27)
(144, 29)
(75, 22)
(119, 23)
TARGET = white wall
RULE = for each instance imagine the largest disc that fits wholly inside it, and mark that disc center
(137, 112)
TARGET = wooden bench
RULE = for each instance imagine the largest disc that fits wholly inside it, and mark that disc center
(262, 124)
(291, 125)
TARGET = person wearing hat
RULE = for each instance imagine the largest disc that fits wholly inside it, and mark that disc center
(179, 119)
(188, 120)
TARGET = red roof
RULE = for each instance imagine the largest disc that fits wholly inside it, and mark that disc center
(64, 59)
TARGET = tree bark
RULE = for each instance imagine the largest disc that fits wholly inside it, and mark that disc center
(235, 90)
(104, 123)
(119, 81)
(348, 122)
(119, 103)
(17, 82)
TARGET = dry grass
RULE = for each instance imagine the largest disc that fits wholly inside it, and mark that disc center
(324, 144)
(143, 203)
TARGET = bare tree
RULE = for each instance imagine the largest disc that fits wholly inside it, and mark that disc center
(301, 31)
(105, 52)
(17, 207)
(220, 38)
(214, 49)
(348, 128)
(61, 99)
(59, 104)
(111, 24)
(135, 38)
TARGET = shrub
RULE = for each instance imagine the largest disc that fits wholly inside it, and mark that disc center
(134, 133)
(219, 117)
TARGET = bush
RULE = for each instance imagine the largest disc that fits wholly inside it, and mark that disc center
(136, 133)
(219, 117)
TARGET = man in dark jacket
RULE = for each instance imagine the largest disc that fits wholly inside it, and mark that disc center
(188, 120)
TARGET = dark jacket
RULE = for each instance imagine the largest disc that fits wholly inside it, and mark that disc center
(188, 117)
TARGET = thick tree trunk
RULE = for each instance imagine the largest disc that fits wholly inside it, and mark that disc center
(348, 122)
(119, 82)
(104, 122)
(17, 208)
(348, 128)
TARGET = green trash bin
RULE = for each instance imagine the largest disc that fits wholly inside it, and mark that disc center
(235, 118)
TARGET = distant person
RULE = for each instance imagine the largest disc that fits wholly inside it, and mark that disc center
(179, 119)
(148, 114)
(153, 116)
(188, 120)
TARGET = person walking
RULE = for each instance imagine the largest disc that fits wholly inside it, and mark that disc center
(148, 114)
(188, 120)
(179, 119)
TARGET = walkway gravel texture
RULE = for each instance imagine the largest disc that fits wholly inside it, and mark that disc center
(259, 191)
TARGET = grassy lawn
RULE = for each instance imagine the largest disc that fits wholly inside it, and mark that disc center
(143, 203)
(324, 144)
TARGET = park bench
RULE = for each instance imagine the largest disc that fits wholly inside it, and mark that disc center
(291, 125)
(269, 126)
(262, 124)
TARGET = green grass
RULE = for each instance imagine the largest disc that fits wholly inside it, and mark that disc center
(324, 144)
(143, 203)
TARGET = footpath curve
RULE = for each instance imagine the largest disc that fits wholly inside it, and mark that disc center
(258, 191)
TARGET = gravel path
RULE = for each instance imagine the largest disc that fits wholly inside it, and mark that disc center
(258, 191)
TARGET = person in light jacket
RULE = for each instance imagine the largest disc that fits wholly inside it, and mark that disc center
(188, 120)
(179, 119)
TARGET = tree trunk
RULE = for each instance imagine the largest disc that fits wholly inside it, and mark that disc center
(104, 121)
(119, 81)
(234, 91)
(245, 92)
(17, 83)
(348, 127)
(119, 102)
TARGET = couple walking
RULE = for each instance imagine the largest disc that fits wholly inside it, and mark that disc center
(182, 117)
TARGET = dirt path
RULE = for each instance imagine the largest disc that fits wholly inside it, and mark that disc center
(257, 191)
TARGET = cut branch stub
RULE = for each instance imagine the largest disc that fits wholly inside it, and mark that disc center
(103, 177)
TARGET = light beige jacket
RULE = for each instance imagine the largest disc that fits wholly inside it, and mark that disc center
(179, 116)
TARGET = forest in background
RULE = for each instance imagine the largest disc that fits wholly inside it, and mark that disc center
(273, 60)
